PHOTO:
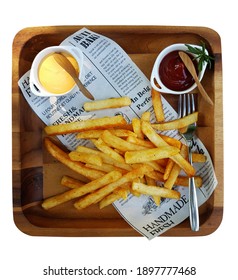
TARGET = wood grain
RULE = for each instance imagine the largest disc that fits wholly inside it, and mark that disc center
(33, 168)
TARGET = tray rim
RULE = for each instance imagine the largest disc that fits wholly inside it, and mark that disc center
(21, 222)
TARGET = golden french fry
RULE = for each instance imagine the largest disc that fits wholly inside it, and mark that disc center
(123, 190)
(136, 124)
(184, 164)
(178, 123)
(118, 143)
(106, 190)
(170, 181)
(174, 173)
(106, 158)
(155, 138)
(140, 142)
(168, 168)
(152, 182)
(156, 166)
(98, 123)
(102, 146)
(105, 167)
(198, 157)
(83, 149)
(183, 129)
(184, 181)
(135, 193)
(150, 154)
(142, 180)
(145, 116)
(90, 134)
(107, 103)
(171, 141)
(86, 158)
(77, 192)
(70, 182)
(155, 175)
(162, 162)
(63, 157)
(109, 199)
(94, 134)
(155, 191)
(157, 199)
(157, 105)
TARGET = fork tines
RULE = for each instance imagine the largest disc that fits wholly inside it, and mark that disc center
(186, 105)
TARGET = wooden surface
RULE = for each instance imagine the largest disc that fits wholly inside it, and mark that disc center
(33, 170)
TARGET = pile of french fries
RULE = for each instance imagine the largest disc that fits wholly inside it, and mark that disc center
(127, 158)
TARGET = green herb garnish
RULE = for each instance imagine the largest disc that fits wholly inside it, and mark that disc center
(200, 55)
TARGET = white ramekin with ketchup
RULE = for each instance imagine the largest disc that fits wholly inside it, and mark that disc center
(170, 75)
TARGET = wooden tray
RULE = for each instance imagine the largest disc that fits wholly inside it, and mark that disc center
(31, 165)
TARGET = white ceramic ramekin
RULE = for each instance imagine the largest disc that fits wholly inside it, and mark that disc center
(35, 84)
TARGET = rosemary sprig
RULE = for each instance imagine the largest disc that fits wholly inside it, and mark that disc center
(200, 55)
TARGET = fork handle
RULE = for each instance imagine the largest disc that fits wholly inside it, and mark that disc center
(193, 204)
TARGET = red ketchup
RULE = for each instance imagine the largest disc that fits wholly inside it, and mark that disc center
(174, 74)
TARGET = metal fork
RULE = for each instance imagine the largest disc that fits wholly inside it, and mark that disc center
(186, 106)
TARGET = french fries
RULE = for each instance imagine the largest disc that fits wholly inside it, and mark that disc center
(77, 192)
(145, 116)
(106, 158)
(140, 142)
(107, 103)
(86, 158)
(70, 182)
(64, 158)
(184, 181)
(155, 191)
(159, 142)
(136, 125)
(119, 193)
(119, 143)
(126, 158)
(99, 123)
(178, 123)
(157, 105)
(109, 199)
(94, 134)
(198, 157)
(175, 170)
(102, 146)
(106, 190)
(150, 154)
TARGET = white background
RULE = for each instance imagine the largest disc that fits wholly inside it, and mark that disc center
(24, 257)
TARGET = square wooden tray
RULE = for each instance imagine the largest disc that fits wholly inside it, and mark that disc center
(32, 169)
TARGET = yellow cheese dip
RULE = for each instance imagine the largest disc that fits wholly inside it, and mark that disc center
(53, 77)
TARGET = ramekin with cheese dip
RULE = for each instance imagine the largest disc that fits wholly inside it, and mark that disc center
(48, 78)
